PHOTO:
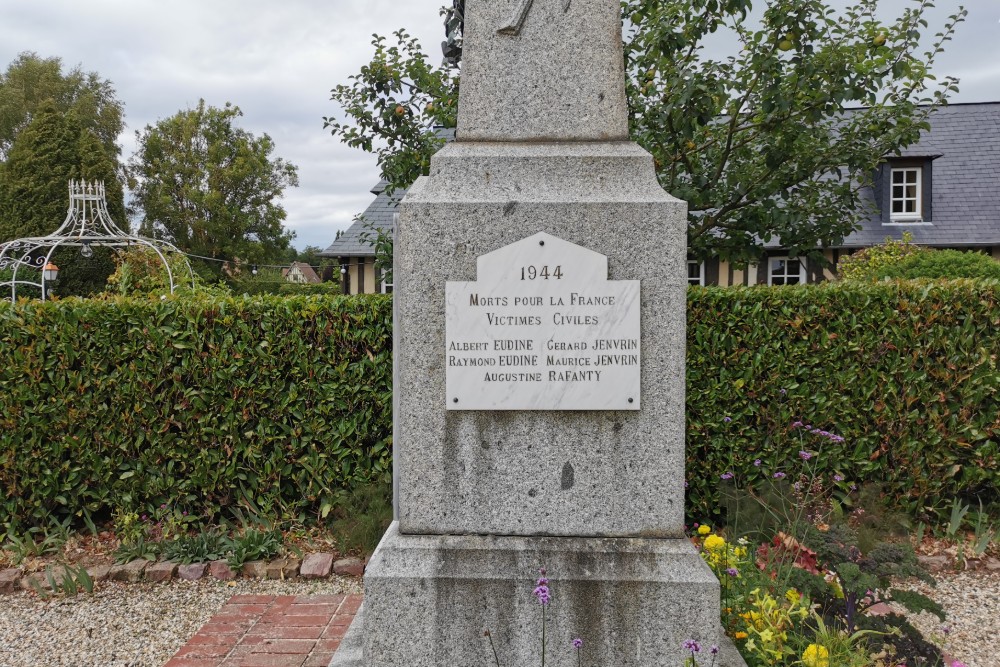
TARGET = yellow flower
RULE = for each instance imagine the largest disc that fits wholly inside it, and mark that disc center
(704, 530)
(816, 655)
(741, 635)
(713, 542)
(793, 596)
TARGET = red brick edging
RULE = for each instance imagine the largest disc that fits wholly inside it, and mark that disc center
(271, 631)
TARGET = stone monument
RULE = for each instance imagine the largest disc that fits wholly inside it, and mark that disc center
(540, 306)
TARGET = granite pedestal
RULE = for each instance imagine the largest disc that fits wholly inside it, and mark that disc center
(484, 497)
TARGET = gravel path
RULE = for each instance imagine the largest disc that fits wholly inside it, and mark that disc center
(971, 601)
(142, 625)
(126, 625)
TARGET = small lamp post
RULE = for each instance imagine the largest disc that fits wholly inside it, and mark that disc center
(50, 272)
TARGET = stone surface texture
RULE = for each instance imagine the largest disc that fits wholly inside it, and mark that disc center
(191, 572)
(255, 569)
(10, 579)
(354, 567)
(561, 78)
(130, 572)
(434, 596)
(316, 566)
(161, 571)
(219, 569)
(602, 474)
(283, 568)
(483, 499)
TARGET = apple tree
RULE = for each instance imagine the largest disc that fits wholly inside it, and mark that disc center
(767, 117)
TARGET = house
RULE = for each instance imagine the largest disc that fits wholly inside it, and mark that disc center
(354, 250)
(944, 190)
(301, 274)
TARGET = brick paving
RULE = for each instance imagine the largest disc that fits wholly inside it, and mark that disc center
(271, 631)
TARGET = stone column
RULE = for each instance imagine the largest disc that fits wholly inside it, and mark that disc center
(486, 498)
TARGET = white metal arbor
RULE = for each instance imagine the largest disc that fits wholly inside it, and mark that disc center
(88, 224)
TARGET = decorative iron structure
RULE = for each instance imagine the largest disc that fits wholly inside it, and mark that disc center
(88, 224)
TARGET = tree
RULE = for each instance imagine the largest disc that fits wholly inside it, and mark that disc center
(31, 81)
(762, 144)
(210, 187)
(34, 191)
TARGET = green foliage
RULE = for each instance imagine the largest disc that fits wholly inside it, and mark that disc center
(31, 81)
(204, 404)
(253, 544)
(937, 264)
(41, 540)
(362, 516)
(201, 547)
(917, 602)
(139, 547)
(139, 270)
(34, 181)
(393, 105)
(210, 187)
(759, 142)
(34, 192)
(868, 265)
(906, 373)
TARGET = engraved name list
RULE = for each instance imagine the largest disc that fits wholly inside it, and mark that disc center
(543, 329)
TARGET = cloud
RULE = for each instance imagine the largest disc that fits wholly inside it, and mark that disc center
(278, 61)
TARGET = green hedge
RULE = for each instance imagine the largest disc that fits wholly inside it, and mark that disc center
(907, 373)
(280, 403)
(272, 404)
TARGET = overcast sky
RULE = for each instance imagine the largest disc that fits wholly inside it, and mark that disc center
(278, 61)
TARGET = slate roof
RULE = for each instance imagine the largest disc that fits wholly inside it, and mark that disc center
(965, 181)
(378, 215)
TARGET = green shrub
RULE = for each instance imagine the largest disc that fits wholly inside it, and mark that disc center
(938, 264)
(204, 405)
(906, 373)
(280, 407)
(868, 264)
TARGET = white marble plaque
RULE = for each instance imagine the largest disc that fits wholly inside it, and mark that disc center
(542, 329)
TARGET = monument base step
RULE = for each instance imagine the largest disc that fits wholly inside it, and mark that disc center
(430, 601)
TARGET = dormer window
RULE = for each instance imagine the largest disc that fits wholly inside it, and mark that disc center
(907, 195)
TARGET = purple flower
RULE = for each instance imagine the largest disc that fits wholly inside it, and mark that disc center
(727, 419)
(958, 663)
(715, 649)
(578, 643)
(733, 572)
(808, 427)
(796, 424)
(756, 462)
(784, 391)
(779, 475)
(727, 475)
(838, 478)
(805, 456)
(686, 485)
(542, 593)
(692, 645)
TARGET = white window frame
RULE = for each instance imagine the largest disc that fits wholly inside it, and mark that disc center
(386, 287)
(771, 275)
(906, 216)
(701, 272)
